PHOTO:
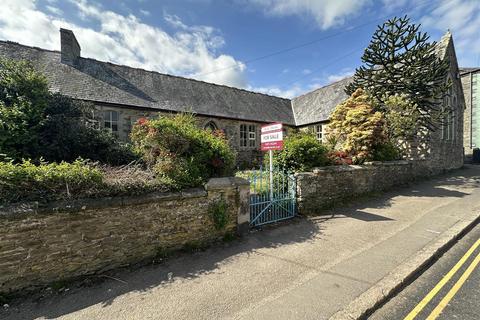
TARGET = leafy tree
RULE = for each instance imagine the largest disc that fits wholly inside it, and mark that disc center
(401, 60)
(35, 123)
(402, 116)
(23, 99)
(359, 128)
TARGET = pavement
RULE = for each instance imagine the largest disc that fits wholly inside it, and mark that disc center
(335, 265)
(464, 304)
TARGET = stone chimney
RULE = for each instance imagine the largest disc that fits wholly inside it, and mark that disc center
(70, 48)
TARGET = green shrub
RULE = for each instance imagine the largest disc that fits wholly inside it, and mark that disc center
(301, 152)
(64, 135)
(26, 181)
(23, 99)
(181, 154)
(386, 152)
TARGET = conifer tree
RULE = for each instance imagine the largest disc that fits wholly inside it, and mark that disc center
(400, 60)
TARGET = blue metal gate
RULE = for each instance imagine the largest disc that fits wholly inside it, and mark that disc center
(271, 200)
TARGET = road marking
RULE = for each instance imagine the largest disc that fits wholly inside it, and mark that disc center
(439, 308)
(442, 282)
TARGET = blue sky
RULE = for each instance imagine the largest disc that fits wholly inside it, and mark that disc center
(249, 44)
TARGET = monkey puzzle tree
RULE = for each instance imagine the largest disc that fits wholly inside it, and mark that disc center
(400, 60)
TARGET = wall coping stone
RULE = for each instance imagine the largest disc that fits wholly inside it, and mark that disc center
(353, 167)
(225, 183)
(76, 205)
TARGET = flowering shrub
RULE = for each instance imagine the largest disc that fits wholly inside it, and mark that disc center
(181, 154)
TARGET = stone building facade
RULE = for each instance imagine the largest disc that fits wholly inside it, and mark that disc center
(122, 95)
(471, 90)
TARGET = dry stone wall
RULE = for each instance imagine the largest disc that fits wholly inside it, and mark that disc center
(41, 245)
(333, 185)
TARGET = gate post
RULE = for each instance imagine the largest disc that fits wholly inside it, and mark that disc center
(236, 191)
(243, 216)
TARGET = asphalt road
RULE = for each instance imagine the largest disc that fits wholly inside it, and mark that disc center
(464, 304)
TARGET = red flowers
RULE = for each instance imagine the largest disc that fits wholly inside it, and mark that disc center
(340, 158)
(142, 121)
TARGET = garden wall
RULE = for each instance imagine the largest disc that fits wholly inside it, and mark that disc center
(327, 186)
(43, 244)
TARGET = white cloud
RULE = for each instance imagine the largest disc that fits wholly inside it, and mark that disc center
(54, 10)
(278, 92)
(344, 73)
(462, 17)
(326, 13)
(306, 71)
(145, 12)
(125, 39)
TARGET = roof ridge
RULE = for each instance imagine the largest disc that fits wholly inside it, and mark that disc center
(323, 87)
(145, 70)
(27, 46)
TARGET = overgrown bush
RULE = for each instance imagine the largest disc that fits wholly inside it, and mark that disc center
(181, 154)
(44, 182)
(301, 152)
(65, 136)
(35, 123)
(26, 181)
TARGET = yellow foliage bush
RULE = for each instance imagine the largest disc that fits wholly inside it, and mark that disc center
(358, 126)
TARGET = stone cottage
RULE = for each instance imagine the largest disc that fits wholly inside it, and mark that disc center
(123, 94)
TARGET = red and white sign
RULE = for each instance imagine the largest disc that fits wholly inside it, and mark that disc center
(272, 137)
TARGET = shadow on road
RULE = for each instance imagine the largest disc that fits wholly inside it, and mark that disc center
(183, 266)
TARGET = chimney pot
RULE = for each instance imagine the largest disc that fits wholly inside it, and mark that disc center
(70, 49)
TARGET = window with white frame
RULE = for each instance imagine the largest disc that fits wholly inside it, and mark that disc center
(319, 132)
(248, 135)
(110, 120)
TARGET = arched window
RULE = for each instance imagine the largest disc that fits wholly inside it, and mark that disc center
(210, 126)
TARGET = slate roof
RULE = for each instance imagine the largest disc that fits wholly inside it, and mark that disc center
(105, 82)
(316, 106)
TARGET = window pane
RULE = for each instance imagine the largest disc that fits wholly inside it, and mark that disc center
(114, 115)
(114, 127)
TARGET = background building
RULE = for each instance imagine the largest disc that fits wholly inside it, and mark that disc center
(471, 89)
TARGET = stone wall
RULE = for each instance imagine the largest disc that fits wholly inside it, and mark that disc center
(332, 185)
(43, 244)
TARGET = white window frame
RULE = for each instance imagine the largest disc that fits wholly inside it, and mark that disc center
(248, 135)
(319, 133)
(108, 120)
(252, 136)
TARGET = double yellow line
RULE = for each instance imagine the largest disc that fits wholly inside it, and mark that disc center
(443, 303)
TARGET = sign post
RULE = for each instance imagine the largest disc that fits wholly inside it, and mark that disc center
(271, 139)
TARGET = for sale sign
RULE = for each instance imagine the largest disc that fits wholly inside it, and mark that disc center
(272, 137)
